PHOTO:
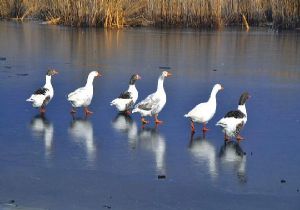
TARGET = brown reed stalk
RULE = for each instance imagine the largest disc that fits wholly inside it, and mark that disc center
(166, 13)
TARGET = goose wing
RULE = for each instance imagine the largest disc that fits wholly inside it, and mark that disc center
(40, 96)
(125, 95)
(80, 95)
(235, 114)
(149, 103)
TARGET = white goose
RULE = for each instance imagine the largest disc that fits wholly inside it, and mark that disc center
(127, 99)
(154, 102)
(203, 112)
(234, 121)
(83, 96)
(42, 96)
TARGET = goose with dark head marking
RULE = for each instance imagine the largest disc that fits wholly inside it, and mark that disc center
(42, 96)
(124, 103)
(234, 121)
(83, 96)
(203, 112)
(155, 102)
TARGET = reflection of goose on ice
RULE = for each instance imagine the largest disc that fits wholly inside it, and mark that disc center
(41, 127)
(151, 140)
(82, 132)
(124, 124)
(204, 151)
(232, 154)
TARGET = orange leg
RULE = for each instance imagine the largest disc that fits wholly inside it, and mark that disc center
(42, 110)
(204, 129)
(192, 126)
(239, 138)
(157, 121)
(144, 122)
(87, 112)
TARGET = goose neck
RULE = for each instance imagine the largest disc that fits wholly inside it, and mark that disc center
(242, 108)
(160, 84)
(48, 80)
(90, 80)
(131, 88)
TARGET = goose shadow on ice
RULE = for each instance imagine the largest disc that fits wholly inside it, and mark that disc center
(123, 123)
(232, 156)
(82, 133)
(41, 127)
(151, 140)
(203, 151)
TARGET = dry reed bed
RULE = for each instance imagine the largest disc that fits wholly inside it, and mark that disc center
(174, 13)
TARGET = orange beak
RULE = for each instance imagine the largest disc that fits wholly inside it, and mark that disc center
(98, 75)
(169, 74)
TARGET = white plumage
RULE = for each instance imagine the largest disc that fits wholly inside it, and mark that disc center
(42, 96)
(83, 96)
(229, 125)
(203, 112)
(127, 99)
(154, 102)
(41, 99)
(234, 121)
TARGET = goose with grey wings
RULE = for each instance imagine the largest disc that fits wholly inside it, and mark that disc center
(153, 103)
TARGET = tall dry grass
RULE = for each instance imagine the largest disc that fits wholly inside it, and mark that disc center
(173, 13)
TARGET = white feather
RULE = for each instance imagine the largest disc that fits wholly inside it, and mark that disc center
(154, 102)
(229, 125)
(83, 96)
(38, 100)
(203, 112)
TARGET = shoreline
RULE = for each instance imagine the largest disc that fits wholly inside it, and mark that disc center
(237, 26)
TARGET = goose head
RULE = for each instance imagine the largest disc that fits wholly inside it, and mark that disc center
(94, 74)
(244, 97)
(52, 72)
(216, 89)
(134, 78)
(165, 74)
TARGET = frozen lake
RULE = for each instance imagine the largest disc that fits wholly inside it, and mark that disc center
(109, 161)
